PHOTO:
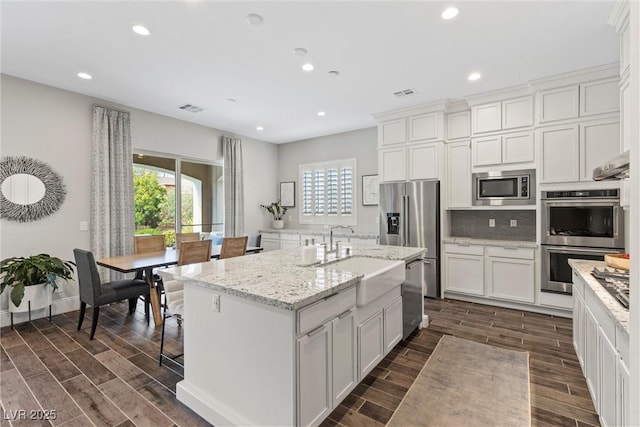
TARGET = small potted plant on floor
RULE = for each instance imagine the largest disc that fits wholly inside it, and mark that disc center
(29, 279)
(277, 211)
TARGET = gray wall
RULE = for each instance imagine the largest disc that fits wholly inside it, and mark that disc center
(359, 144)
(54, 126)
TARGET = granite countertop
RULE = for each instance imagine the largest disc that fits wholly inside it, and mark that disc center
(338, 232)
(277, 278)
(488, 242)
(617, 312)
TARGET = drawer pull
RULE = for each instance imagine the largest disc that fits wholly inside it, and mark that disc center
(316, 331)
(345, 314)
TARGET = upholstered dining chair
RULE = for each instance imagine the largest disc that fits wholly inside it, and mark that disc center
(233, 247)
(191, 252)
(97, 294)
(186, 237)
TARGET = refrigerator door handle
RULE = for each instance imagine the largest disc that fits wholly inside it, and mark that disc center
(406, 220)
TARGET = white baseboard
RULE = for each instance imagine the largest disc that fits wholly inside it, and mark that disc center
(58, 306)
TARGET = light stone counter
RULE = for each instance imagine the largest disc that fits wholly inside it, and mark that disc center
(336, 233)
(488, 242)
(616, 311)
(276, 278)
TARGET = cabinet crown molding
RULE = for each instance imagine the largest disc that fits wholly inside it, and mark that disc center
(431, 107)
(458, 106)
(499, 95)
(576, 77)
(619, 14)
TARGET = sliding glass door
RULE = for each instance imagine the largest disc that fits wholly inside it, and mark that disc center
(166, 205)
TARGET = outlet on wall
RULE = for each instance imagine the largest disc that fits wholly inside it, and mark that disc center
(513, 223)
(492, 222)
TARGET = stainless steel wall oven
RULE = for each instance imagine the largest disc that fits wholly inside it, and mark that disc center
(581, 225)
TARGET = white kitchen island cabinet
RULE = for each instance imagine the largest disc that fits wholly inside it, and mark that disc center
(269, 342)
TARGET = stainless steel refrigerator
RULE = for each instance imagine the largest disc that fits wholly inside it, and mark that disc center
(410, 216)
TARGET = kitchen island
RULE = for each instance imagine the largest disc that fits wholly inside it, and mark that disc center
(262, 330)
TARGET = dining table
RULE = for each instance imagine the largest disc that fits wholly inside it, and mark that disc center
(144, 264)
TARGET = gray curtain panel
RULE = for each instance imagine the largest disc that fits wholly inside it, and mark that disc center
(112, 210)
(233, 187)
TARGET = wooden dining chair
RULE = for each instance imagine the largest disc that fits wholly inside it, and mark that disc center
(147, 244)
(186, 237)
(233, 247)
(191, 252)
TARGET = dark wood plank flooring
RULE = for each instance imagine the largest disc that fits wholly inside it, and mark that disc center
(115, 379)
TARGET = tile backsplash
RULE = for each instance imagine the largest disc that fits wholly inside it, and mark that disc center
(475, 224)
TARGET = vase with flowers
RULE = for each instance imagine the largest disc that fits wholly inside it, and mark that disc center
(277, 211)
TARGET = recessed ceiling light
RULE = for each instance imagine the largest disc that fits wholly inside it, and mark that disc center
(254, 19)
(85, 76)
(141, 29)
(322, 113)
(450, 12)
(333, 73)
(307, 67)
(299, 51)
(474, 76)
(259, 128)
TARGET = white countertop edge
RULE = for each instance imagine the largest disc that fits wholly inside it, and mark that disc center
(271, 301)
(619, 314)
(339, 233)
(489, 242)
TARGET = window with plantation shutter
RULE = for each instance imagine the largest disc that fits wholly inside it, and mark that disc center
(327, 192)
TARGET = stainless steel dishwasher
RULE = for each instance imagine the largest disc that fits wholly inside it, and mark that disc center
(412, 300)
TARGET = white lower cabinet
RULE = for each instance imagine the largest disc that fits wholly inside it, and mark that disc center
(392, 316)
(314, 375)
(270, 241)
(464, 269)
(370, 344)
(601, 347)
(344, 354)
(510, 273)
(607, 364)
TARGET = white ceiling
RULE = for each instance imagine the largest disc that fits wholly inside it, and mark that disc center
(204, 52)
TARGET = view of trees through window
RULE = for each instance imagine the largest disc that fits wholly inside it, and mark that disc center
(155, 197)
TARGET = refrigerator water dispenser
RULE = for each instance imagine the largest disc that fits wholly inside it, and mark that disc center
(393, 223)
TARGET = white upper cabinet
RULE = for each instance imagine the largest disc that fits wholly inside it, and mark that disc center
(458, 175)
(599, 141)
(486, 117)
(392, 132)
(503, 149)
(459, 125)
(569, 153)
(517, 113)
(425, 127)
(425, 160)
(599, 97)
(558, 104)
(503, 115)
(392, 164)
(579, 100)
(559, 151)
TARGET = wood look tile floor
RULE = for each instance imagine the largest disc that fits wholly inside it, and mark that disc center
(115, 379)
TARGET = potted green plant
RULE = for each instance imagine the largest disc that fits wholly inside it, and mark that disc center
(29, 277)
(277, 211)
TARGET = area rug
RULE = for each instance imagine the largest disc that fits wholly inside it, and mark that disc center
(465, 383)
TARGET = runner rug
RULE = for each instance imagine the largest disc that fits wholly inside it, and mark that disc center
(465, 383)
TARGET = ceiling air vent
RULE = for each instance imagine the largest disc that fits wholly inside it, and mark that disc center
(406, 92)
(190, 107)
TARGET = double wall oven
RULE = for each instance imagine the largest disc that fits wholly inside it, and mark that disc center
(581, 225)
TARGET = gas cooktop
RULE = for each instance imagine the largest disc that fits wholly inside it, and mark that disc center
(615, 281)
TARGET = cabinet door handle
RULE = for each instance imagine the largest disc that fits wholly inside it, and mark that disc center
(316, 331)
(345, 314)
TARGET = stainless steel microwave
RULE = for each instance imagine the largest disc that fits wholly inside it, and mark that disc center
(515, 187)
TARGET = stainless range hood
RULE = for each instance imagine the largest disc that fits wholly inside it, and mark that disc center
(616, 168)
